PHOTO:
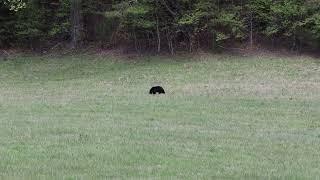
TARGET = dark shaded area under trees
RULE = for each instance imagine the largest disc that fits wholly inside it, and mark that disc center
(160, 25)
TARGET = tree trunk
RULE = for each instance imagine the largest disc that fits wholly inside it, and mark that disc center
(191, 40)
(170, 43)
(76, 25)
(214, 41)
(251, 31)
(135, 41)
(158, 36)
(296, 44)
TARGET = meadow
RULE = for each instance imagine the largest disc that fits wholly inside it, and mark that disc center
(222, 117)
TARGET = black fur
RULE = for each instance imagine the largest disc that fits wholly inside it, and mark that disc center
(157, 89)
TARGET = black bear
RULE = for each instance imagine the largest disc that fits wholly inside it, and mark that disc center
(157, 89)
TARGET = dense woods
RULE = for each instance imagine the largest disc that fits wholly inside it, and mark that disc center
(160, 25)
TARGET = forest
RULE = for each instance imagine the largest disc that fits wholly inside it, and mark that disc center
(160, 25)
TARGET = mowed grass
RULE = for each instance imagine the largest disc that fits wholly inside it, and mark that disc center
(91, 117)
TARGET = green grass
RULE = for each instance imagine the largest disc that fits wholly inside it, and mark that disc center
(227, 117)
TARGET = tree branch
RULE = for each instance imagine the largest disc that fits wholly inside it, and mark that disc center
(168, 8)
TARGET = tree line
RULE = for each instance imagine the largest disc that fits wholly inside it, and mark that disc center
(160, 25)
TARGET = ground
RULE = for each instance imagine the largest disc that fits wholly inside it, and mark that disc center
(91, 117)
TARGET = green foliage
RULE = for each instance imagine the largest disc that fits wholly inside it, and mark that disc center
(133, 15)
(294, 20)
(15, 5)
(231, 24)
(315, 25)
(32, 23)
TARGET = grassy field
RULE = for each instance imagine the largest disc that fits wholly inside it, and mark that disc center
(89, 117)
